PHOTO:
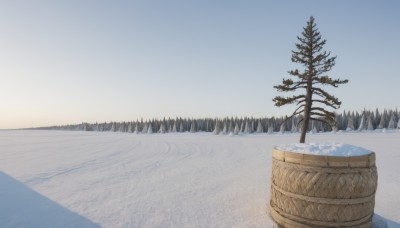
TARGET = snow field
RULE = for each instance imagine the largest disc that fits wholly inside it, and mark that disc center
(166, 180)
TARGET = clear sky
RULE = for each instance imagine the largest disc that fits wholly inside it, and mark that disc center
(79, 61)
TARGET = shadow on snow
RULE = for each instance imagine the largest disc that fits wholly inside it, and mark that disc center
(381, 222)
(22, 207)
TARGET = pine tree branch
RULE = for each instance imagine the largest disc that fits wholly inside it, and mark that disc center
(279, 101)
(325, 102)
(288, 85)
(301, 120)
(298, 74)
(296, 112)
(326, 80)
(321, 120)
(317, 114)
(326, 96)
(301, 101)
(318, 109)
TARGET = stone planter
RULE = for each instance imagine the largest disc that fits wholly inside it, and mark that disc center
(322, 191)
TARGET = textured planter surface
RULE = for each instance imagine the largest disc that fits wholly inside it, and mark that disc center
(322, 191)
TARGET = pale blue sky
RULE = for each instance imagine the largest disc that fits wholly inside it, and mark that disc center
(85, 61)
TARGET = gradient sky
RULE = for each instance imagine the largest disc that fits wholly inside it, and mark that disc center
(79, 61)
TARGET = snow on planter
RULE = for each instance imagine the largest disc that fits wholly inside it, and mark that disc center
(328, 149)
(323, 185)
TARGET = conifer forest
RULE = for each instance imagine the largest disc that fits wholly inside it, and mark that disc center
(346, 121)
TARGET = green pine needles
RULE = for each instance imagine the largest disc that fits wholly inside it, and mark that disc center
(316, 62)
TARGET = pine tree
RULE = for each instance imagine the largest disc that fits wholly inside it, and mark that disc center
(193, 127)
(314, 127)
(242, 127)
(294, 125)
(121, 127)
(144, 130)
(236, 131)
(136, 128)
(317, 63)
(174, 127)
(181, 127)
(382, 122)
(398, 124)
(370, 126)
(391, 122)
(270, 129)
(225, 128)
(338, 122)
(350, 123)
(259, 127)
(169, 128)
(217, 129)
(113, 129)
(372, 117)
(149, 129)
(130, 128)
(247, 128)
(86, 127)
(362, 127)
(282, 128)
(162, 129)
(230, 129)
(344, 120)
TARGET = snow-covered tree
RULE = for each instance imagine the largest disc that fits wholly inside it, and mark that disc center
(130, 128)
(382, 122)
(217, 128)
(86, 127)
(193, 127)
(136, 131)
(247, 128)
(259, 127)
(225, 128)
(370, 126)
(294, 126)
(338, 122)
(391, 124)
(270, 129)
(398, 124)
(122, 127)
(230, 128)
(181, 127)
(362, 125)
(314, 127)
(174, 127)
(145, 129)
(282, 128)
(113, 129)
(96, 127)
(149, 129)
(350, 124)
(162, 129)
(236, 130)
(242, 127)
(372, 117)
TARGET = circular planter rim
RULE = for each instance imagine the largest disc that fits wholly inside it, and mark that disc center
(367, 160)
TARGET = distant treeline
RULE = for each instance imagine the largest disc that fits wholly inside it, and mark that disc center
(346, 121)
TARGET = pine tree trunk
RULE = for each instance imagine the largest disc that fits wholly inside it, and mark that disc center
(307, 107)
(305, 123)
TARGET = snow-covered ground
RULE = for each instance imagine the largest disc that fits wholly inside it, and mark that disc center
(92, 179)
